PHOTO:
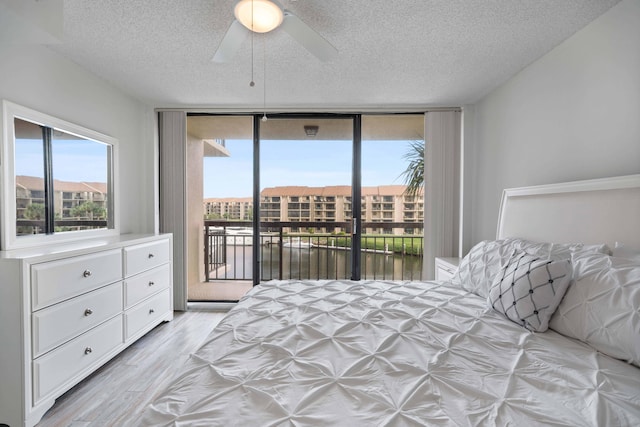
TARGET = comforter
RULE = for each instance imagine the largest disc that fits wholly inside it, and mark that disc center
(333, 353)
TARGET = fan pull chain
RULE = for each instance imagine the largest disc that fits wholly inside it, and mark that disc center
(252, 83)
(264, 74)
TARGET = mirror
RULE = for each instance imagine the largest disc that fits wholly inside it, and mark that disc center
(58, 180)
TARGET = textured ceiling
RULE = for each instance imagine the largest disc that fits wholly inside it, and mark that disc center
(393, 55)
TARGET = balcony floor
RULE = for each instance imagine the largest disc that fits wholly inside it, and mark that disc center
(219, 290)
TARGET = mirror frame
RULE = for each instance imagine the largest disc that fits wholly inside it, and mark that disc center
(8, 238)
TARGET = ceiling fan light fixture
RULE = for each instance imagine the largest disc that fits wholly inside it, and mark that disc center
(260, 16)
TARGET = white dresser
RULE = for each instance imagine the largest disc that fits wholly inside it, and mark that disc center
(65, 310)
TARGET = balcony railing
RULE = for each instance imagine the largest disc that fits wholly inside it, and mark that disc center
(322, 251)
(90, 223)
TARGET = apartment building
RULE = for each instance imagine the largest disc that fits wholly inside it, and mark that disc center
(66, 197)
(387, 203)
(240, 208)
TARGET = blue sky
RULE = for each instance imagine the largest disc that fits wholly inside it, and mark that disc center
(307, 162)
(73, 160)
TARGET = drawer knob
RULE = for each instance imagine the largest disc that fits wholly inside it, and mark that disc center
(151, 311)
(151, 283)
(150, 255)
(88, 350)
(88, 312)
(87, 273)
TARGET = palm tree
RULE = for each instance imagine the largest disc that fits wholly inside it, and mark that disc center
(413, 175)
(34, 211)
(89, 210)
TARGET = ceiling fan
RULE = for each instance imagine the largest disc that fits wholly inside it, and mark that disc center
(262, 16)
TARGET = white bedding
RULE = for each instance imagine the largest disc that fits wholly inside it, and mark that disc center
(320, 353)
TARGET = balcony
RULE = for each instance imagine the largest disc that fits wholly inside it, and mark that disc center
(321, 252)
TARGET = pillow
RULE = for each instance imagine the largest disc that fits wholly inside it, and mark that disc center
(529, 288)
(602, 306)
(558, 250)
(624, 251)
(477, 269)
(480, 266)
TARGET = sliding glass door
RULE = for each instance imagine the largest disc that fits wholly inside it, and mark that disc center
(306, 197)
(392, 176)
(302, 196)
(219, 207)
(341, 197)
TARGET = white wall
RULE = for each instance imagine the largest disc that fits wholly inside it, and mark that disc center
(573, 114)
(40, 79)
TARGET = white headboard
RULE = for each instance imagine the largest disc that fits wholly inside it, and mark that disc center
(591, 212)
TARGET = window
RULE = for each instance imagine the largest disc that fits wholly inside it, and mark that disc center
(60, 183)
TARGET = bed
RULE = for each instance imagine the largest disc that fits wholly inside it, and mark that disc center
(538, 327)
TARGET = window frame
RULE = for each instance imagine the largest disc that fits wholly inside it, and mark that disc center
(8, 238)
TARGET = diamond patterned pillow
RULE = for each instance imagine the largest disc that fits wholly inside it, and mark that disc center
(528, 289)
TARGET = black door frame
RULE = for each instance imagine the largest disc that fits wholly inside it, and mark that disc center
(355, 186)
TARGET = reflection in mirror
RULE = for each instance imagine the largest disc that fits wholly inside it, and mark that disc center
(29, 170)
(80, 186)
(63, 181)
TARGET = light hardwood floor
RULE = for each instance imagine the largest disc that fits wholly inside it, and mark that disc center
(117, 393)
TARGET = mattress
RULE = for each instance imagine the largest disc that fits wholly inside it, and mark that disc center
(343, 353)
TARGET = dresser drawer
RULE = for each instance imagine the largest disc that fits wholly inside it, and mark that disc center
(59, 323)
(143, 285)
(59, 366)
(56, 281)
(145, 313)
(146, 256)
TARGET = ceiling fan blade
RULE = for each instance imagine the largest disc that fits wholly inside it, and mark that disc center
(308, 37)
(230, 42)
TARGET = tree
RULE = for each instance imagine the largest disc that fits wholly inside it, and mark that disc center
(88, 210)
(413, 175)
(34, 211)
